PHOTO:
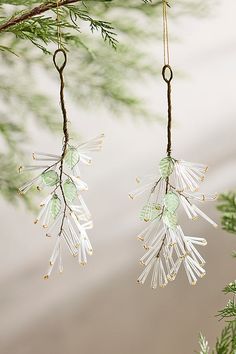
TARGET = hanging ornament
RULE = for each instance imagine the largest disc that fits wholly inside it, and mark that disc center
(176, 184)
(64, 214)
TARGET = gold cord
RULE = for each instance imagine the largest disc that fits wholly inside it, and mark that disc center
(165, 35)
(59, 40)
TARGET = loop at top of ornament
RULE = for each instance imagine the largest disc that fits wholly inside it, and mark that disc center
(64, 59)
(167, 73)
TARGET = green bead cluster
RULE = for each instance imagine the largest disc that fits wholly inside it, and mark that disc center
(166, 167)
(72, 157)
(171, 204)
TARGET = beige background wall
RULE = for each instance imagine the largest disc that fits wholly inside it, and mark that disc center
(100, 309)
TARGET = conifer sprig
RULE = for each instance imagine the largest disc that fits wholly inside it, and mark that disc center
(226, 342)
(227, 206)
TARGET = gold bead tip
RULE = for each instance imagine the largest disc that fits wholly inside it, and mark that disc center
(140, 238)
(130, 196)
(46, 277)
(194, 218)
(163, 285)
(36, 221)
(171, 278)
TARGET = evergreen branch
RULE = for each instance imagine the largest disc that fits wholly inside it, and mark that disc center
(40, 30)
(230, 288)
(233, 341)
(4, 48)
(229, 311)
(107, 31)
(227, 205)
(226, 344)
(38, 10)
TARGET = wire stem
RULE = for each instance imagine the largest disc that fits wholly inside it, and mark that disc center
(65, 126)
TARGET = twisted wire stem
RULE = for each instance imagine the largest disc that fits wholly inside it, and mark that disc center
(167, 78)
(60, 69)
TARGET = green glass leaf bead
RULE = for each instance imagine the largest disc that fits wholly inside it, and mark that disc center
(70, 190)
(170, 219)
(166, 167)
(71, 157)
(55, 206)
(50, 178)
(171, 201)
(149, 212)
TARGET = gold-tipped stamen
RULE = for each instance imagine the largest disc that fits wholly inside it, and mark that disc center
(141, 238)
(194, 218)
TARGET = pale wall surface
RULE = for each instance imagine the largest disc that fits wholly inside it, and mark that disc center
(100, 309)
